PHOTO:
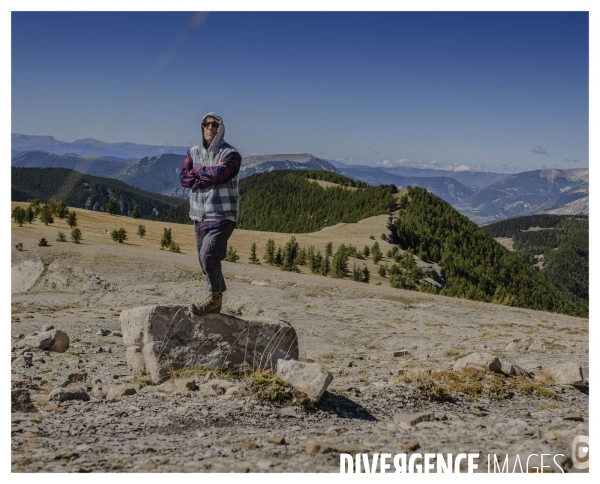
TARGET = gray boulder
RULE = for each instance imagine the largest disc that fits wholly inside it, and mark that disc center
(511, 369)
(63, 394)
(161, 339)
(480, 361)
(309, 378)
(564, 374)
(53, 340)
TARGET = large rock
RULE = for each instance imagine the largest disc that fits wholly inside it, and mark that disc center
(53, 340)
(511, 369)
(309, 378)
(63, 394)
(480, 361)
(161, 339)
(565, 373)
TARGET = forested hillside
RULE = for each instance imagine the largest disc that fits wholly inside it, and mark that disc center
(558, 248)
(477, 267)
(286, 201)
(84, 191)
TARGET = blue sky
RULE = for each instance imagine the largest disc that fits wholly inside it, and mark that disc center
(501, 91)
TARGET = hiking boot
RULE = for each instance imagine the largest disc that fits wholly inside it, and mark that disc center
(212, 304)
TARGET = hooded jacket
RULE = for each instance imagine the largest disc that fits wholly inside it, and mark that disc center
(219, 201)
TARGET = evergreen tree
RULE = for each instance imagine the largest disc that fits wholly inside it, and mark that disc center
(111, 207)
(310, 258)
(367, 251)
(76, 235)
(35, 205)
(376, 252)
(289, 255)
(19, 215)
(366, 274)
(165, 241)
(136, 212)
(317, 262)
(231, 255)
(253, 259)
(29, 214)
(43, 242)
(325, 267)
(62, 210)
(382, 271)
(279, 257)
(141, 230)
(356, 273)
(329, 249)
(270, 252)
(72, 220)
(174, 247)
(46, 215)
(119, 235)
(61, 237)
(300, 257)
(339, 264)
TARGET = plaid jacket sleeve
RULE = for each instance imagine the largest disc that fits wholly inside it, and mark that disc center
(191, 176)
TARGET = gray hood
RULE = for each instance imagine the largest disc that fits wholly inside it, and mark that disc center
(216, 144)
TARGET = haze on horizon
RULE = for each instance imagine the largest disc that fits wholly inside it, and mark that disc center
(497, 91)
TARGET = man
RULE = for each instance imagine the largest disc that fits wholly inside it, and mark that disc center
(211, 171)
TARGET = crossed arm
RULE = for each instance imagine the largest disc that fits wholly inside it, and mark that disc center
(191, 176)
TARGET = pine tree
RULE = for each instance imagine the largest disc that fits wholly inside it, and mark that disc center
(46, 215)
(141, 231)
(20, 215)
(136, 212)
(231, 255)
(356, 274)
(61, 237)
(382, 271)
(165, 241)
(119, 235)
(289, 255)
(72, 220)
(376, 252)
(76, 235)
(270, 252)
(367, 251)
(29, 214)
(339, 264)
(111, 207)
(366, 274)
(325, 267)
(278, 257)
(253, 259)
(329, 249)
(62, 210)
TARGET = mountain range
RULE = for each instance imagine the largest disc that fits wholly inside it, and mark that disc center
(485, 197)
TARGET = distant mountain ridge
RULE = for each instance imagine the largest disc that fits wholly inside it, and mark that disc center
(88, 146)
(302, 161)
(82, 164)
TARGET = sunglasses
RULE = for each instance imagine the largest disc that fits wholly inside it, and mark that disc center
(214, 124)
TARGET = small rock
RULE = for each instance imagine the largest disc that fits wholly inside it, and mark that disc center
(309, 378)
(576, 416)
(480, 361)
(209, 376)
(395, 354)
(63, 394)
(20, 400)
(410, 446)
(77, 376)
(276, 439)
(314, 447)
(116, 392)
(264, 464)
(247, 446)
(24, 361)
(103, 332)
(412, 419)
(512, 346)
(117, 333)
(47, 327)
(348, 363)
(440, 416)
(98, 391)
(537, 347)
(186, 384)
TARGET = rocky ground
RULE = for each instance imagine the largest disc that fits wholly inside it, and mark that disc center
(355, 330)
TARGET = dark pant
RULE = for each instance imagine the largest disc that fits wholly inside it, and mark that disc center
(212, 247)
